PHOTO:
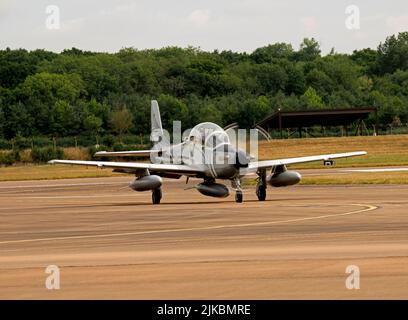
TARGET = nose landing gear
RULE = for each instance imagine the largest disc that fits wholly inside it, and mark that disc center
(239, 196)
(236, 184)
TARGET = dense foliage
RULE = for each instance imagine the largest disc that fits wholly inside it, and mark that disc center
(78, 93)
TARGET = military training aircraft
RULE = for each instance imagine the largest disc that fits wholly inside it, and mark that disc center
(208, 153)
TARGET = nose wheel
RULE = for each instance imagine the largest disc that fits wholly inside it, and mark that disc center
(239, 197)
(156, 195)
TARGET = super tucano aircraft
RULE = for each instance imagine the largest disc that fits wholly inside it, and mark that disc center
(206, 153)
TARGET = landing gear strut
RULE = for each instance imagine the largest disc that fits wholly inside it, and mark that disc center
(156, 195)
(236, 184)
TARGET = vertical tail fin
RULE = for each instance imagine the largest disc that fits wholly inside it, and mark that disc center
(157, 135)
(155, 117)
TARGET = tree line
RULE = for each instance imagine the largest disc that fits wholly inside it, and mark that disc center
(84, 93)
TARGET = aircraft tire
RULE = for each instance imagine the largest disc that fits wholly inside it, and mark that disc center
(239, 197)
(261, 193)
(156, 196)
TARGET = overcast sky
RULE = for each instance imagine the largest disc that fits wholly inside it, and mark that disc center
(239, 25)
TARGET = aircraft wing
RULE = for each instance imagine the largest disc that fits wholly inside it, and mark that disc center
(253, 166)
(138, 153)
(131, 167)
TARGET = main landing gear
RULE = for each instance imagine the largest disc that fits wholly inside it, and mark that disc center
(261, 186)
(156, 195)
(261, 192)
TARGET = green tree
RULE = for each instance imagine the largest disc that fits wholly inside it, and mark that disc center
(2, 122)
(121, 121)
(271, 78)
(296, 81)
(93, 125)
(366, 58)
(18, 121)
(173, 109)
(40, 92)
(208, 112)
(309, 50)
(312, 99)
(70, 94)
(15, 66)
(203, 77)
(272, 53)
(393, 53)
(319, 81)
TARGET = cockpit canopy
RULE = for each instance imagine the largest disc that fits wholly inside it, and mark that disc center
(209, 135)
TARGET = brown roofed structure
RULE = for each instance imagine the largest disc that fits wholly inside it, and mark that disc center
(326, 117)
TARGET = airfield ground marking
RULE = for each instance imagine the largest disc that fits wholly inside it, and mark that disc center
(366, 207)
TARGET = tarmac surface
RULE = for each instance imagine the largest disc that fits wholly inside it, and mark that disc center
(111, 242)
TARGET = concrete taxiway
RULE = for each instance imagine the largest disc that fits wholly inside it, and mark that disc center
(110, 242)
